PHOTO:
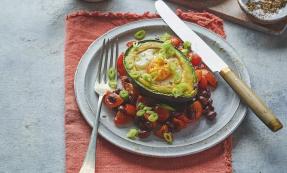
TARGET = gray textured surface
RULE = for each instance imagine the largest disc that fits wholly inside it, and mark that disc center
(32, 87)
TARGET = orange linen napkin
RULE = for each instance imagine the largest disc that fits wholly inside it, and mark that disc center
(82, 28)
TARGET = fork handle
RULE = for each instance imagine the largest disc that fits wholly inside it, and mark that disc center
(89, 163)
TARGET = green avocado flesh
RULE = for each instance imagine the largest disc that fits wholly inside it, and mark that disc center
(160, 69)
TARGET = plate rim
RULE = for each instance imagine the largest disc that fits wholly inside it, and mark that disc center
(103, 131)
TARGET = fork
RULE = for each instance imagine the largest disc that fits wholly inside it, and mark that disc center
(101, 86)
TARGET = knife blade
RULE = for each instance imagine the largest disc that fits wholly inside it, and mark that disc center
(183, 32)
(216, 64)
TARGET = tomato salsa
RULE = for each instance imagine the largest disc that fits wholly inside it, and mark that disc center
(154, 116)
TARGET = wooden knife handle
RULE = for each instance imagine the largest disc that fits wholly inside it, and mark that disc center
(251, 99)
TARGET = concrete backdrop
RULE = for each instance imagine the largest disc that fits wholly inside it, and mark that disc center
(32, 87)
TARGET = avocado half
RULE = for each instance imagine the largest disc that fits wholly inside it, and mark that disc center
(159, 90)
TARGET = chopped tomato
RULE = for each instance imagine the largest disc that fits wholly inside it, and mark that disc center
(196, 59)
(163, 114)
(203, 82)
(163, 129)
(179, 123)
(211, 79)
(204, 72)
(198, 74)
(120, 65)
(130, 43)
(205, 77)
(175, 41)
(154, 124)
(112, 100)
(184, 118)
(197, 108)
(130, 110)
(121, 119)
(189, 55)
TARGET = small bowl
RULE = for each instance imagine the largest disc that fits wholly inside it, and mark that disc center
(261, 17)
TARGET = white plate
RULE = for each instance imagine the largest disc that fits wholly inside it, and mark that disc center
(197, 137)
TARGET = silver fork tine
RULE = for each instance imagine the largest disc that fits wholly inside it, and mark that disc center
(112, 55)
(104, 65)
(100, 61)
(116, 57)
(109, 64)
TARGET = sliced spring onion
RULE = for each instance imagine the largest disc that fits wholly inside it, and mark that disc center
(150, 112)
(140, 34)
(186, 45)
(185, 51)
(140, 105)
(136, 44)
(182, 86)
(177, 78)
(147, 108)
(147, 77)
(164, 37)
(140, 113)
(179, 89)
(168, 137)
(135, 74)
(176, 92)
(167, 50)
(112, 73)
(129, 65)
(173, 66)
(112, 84)
(124, 94)
(154, 74)
(132, 134)
(153, 117)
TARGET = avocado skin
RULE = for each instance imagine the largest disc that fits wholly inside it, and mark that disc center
(151, 93)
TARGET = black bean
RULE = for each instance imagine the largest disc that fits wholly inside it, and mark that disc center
(211, 115)
(211, 108)
(143, 134)
(138, 120)
(203, 93)
(171, 126)
(141, 125)
(117, 91)
(132, 99)
(210, 101)
(206, 110)
(121, 108)
(195, 86)
(125, 79)
(203, 100)
(148, 125)
(145, 125)
(206, 93)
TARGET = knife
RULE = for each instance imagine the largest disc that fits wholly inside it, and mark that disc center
(216, 64)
